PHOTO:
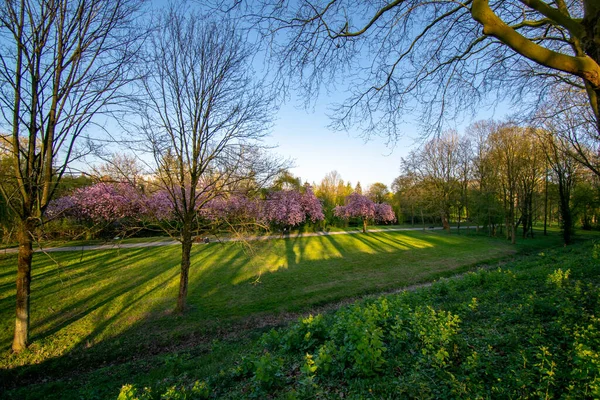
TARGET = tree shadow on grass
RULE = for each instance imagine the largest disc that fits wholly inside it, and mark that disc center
(222, 293)
(401, 240)
(104, 291)
(79, 298)
(96, 315)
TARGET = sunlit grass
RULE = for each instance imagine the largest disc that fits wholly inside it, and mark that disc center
(99, 306)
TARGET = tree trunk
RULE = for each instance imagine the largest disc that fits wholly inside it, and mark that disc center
(445, 222)
(546, 203)
(565, 209)
(512, 226)
(525, 218)
(531, 216)
(364, 225)
(21, 338)
(186, 249)
(568, 226)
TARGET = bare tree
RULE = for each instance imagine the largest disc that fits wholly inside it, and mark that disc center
(203, 118)
(61, 63)
(120, 167)
(442, 57)
(437, 165)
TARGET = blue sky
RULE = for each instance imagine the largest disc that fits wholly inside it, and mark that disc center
(303, 136)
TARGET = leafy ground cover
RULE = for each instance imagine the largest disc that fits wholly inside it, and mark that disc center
(102, 319)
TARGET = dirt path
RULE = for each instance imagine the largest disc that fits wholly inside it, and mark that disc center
(116, 245)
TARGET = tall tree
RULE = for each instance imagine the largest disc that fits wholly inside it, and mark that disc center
(378, 192)
(358, 188)
(437, 165)
(532, 169)
(286, 181)
(62, 63)
(573, 122)
(329, 187)
(518, 171)
(485, 175)
(203, 117)
(559, 154)
(332, 192)
(464, 160)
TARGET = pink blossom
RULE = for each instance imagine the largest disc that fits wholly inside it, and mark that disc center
(291, 208)
(384, 213)
(311, 205)
(284, 208)
(102, 202)
(236, 206)
(357, 206)
(160, 205)
(62, 206)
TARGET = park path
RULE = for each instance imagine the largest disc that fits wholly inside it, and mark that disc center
(116, 245)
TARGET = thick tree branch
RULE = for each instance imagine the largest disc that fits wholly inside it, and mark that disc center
(584, 67)
(573, 26)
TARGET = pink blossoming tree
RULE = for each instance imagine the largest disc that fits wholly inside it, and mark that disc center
(360, 206)
(236, 212)
(103, 204)
(384, 213)
(289, 208)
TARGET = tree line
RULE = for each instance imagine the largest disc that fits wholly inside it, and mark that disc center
(501, 176)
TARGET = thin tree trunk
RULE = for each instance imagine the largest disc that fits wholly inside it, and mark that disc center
(364, 225)
(489, 215)
(565, 209)
(546, 203)
(445, 222)
(186, 249)
(513, 228)
(21, 338)
(568, 223)
(531, 217)
(525, 216)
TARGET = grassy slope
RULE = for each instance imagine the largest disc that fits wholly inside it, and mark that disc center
(81, 300)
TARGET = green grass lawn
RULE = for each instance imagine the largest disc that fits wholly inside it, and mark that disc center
(90, 309)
